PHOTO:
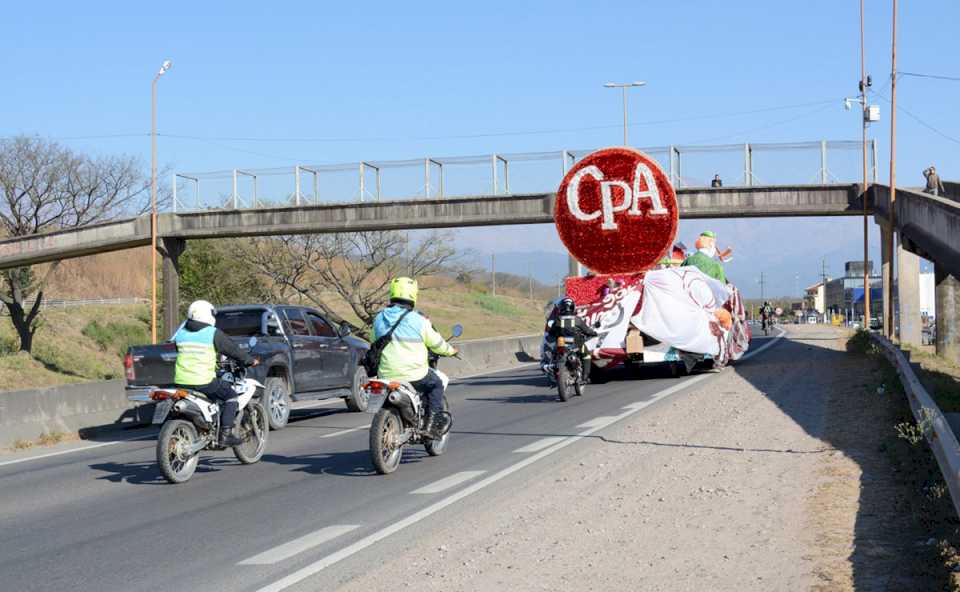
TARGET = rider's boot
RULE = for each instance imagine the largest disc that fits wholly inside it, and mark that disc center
(229, 437)
(428, 422)
(440, 425)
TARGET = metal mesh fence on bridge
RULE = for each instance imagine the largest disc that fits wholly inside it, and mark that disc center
(795, 163)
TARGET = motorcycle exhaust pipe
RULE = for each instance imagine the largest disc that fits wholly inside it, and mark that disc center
(193, 415)
(402, 403)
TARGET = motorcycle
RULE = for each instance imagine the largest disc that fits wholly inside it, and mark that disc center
(191, 424)
(566, 368)
(401, 418)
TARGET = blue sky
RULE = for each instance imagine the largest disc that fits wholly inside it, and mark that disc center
(400, 80)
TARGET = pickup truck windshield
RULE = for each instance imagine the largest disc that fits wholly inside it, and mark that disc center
(240, 323)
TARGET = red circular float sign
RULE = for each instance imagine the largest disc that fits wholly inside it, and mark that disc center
(616, 211)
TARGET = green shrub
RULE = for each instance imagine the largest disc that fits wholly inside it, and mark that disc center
(861, 343)
(495, 304)
(116, 336)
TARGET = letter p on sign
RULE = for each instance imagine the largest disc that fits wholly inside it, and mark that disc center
(616, 211)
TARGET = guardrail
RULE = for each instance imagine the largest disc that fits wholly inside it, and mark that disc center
(935, 427)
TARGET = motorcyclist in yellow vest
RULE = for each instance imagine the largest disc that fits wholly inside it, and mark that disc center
(199, 345)
(405, 358)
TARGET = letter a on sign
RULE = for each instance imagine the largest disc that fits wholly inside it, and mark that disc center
(616, 211)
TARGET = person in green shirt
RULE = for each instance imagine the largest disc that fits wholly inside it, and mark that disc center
(703, 258)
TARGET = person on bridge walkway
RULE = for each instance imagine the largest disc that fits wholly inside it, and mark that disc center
(934, 184)
(199, 345)
(570, 326)
(406, 358)
(716, 182)
(704, 260)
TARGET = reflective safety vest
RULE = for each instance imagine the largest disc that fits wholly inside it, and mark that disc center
(196, 357)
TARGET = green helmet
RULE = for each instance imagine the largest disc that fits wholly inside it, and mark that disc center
(404, 289)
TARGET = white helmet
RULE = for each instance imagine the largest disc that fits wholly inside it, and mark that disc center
(202, 312)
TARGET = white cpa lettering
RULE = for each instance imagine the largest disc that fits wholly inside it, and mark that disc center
(630, 202)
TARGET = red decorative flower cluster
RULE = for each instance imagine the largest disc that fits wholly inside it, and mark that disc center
(590, 289)
(616, 211)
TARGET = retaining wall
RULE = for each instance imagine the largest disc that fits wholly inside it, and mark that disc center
(88, 406)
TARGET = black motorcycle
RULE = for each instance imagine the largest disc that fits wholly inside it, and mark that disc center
(566, 366)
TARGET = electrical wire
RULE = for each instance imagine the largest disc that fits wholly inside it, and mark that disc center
(934, 76)
(916, 118)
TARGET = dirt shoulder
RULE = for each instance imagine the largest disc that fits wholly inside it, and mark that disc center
(754, 481)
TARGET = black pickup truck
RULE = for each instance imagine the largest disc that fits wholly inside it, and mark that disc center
(302, 356)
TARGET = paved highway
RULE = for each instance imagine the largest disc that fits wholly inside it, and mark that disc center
(310, 515)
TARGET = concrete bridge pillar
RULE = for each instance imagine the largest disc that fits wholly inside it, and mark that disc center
(573, 266)
(886, 272)
(908, 296)
(947, 301)
(171, 249)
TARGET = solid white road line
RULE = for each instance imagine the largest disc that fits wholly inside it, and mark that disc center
(347, 431)
(297, 546)
(72, 450)
(448, 482)
(594, 422)
(373, 538)
(540, 444)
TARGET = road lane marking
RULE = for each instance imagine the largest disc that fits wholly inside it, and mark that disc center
(297, 546)
(375, 537)
(448, 482)
(346, 431)
(540, 444)
(311, 404)
(602, 420)
(91, 447)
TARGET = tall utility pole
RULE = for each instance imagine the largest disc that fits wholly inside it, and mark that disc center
(866, 246)
(762, 284)
(623, 86)
(493, 272)
(153, 199)
(888, 238)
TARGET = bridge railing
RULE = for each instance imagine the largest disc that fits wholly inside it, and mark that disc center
(820, 162)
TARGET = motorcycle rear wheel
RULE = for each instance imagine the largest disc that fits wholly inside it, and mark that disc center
(563, 383)
(254, 427)
(175, 437)
(385, 430)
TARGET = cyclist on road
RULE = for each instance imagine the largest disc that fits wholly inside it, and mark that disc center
(766, 314)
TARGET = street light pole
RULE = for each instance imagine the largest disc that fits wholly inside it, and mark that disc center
(888, 238)
(153, 199)
(623, 86)
(866, 245)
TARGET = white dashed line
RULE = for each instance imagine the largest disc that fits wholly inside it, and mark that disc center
(347, 431)
(297, 546)
(448, 482)
(596, 421)
(540, 444)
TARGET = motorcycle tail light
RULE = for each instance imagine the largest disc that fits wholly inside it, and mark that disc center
(159, 395)
(374, 388)
(180, 394)
(561, 341)
(394, 385)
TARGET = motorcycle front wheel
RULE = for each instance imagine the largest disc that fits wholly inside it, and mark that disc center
(254, 427)
(563, 382)
(176, 438)
(385, 432)
(439, 446)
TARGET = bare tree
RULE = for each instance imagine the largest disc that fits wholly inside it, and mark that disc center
(45, 186)
(357, 267)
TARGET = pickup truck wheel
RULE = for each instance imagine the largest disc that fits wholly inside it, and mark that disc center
(276, 400)
(358, 399)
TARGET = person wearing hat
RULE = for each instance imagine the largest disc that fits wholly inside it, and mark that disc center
(704, 260)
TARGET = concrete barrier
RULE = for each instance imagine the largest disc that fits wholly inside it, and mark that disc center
(87, 407)
(68, 408)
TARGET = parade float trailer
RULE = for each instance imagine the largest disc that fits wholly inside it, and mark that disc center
(617, 213)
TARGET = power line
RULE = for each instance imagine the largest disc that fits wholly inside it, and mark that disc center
(934, 76)
(450, 136)
(930, 127)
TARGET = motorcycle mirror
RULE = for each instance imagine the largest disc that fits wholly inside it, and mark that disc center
(344, 330)
(252, 342)
(457, 330)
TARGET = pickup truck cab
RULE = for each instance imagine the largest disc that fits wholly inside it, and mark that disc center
(302, 356)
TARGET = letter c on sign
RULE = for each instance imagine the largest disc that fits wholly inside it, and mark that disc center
(573, 193)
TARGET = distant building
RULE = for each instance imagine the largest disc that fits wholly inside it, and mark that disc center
(845, 295)
(815, 298)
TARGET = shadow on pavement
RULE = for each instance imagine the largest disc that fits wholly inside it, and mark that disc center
(344, 464)
(148, 473)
